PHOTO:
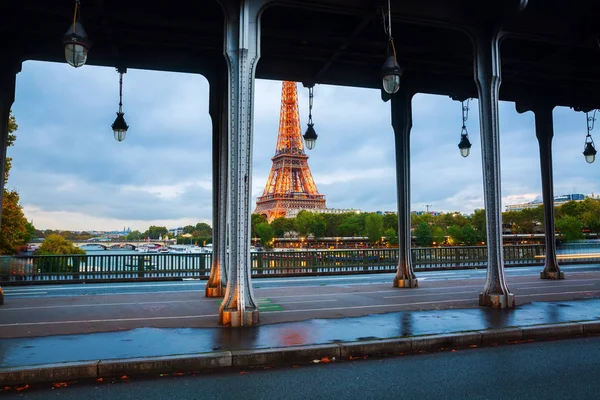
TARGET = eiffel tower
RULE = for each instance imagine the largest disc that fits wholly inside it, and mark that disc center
(290, 184)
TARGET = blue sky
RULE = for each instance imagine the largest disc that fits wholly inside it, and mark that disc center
(72, 174)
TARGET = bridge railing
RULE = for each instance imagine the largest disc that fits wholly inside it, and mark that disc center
(127, 267)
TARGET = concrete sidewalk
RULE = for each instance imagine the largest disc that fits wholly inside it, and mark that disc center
(146, 351)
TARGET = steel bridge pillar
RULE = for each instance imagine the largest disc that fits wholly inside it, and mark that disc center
(402, 124)
(8, 76)
(544, 130)
(218, 105)
(487, 78)
(242, 50)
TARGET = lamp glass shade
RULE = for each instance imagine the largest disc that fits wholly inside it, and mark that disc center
(390, 75)
(310, 137)
(120, 127)
(464, 145)
(75, 54)
(120, 135)
(589, 152)
(77, 45)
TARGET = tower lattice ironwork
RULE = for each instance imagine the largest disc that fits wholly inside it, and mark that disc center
(290, 184)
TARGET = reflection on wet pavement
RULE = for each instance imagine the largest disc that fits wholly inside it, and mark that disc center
(145, 342)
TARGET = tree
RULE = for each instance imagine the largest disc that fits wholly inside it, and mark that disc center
(469, 235)
(423, 235)
(390, 221)
(256, 219)
(265, 233)
(204, 229)
(302, 222)
(154, 232)
(455, 234)
(189, 229)
(570, 228)
(374, 227)
(317, 225)
(391, 236)
(56, 244)
(14, 231)
(281, 226)
(438, 235)
(478, 222)
(134, 235)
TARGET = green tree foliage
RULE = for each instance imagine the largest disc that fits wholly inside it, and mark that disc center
(469, 235)
(455, 233)
(265, 233)
(302, 222)
(56, 244)
(333, 221)
(569, 227)
(423, 235)
(374, 227)
(281, 226)
(31, 231)
(353, 225)
(391, 236)
(478, 222)
(134, 235)
(13, 233)
(390, 221)
(189, 229)
(256, 219)
(204, 229)
(438, 235)
(154, 232)
(317, 227)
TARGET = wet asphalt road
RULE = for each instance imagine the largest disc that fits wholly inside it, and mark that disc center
(566, 369)
(264, 283)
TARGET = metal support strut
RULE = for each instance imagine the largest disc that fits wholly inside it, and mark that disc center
(487, 78)
(239, 307)
(402, 124)
(8, 74)
(217, 281)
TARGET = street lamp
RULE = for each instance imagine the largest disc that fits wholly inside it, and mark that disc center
(589, 150)
(465, 144)
(75, 41)
(120, 127)
(391, 71)
(310, 136)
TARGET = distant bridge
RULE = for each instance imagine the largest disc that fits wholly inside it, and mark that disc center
(127, 244)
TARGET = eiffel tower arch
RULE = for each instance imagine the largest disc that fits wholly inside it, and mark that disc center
(290, 184)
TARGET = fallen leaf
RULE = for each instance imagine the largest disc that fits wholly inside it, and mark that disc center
(243, 372)
(124, 377)
(294, 366)
(21, 388)
(99, 380)
(454, 351)
(473, 345)
(60, 384)
(178, 373)
(325, 360)
(6, 388)
(316, 361)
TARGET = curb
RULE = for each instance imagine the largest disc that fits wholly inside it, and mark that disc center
(114, 368)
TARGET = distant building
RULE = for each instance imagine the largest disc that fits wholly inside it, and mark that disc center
(293, 212)
(558, 200)
(434, 213)
(175, 231)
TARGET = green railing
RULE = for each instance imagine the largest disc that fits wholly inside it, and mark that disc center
(129, 267)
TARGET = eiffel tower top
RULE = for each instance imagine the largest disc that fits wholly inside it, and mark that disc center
(289, 139)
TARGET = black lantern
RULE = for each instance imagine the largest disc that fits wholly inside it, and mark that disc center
(589, 151)
(120, 127)
(310, 136)
(75, 41)
(391, 73)
(465, 144)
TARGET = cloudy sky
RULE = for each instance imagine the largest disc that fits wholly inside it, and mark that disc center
(72, 174)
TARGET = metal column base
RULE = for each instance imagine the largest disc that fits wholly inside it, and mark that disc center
(235, 319)
(552, 275)
(1, 297)
(406, 283)
(217, 291)
(497, 300)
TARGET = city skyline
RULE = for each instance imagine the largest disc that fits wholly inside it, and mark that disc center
(72, 174)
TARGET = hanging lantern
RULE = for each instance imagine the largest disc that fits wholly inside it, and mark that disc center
(120, 127)
(75, 41)
(310, 136)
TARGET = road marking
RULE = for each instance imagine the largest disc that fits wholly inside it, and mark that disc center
(548, 294)
(373, 306)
